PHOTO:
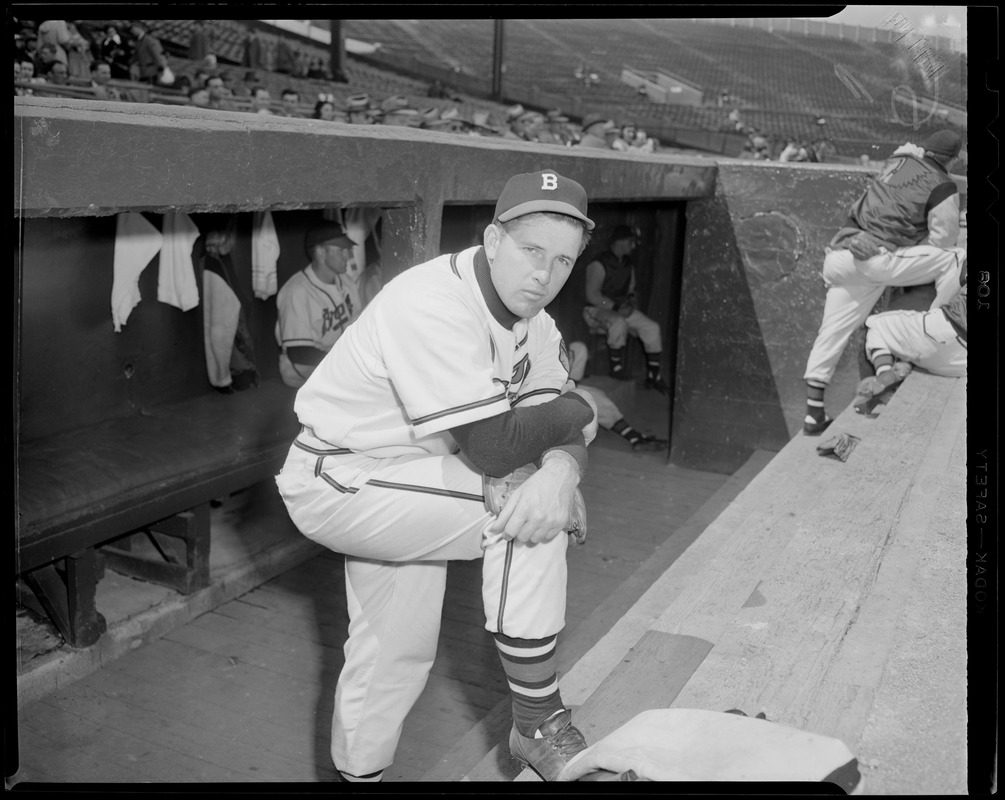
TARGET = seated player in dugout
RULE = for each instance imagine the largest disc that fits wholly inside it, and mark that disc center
(453, 380)
(315, 306)
(611, 306)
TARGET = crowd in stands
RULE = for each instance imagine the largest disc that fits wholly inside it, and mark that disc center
(762, 146)
(93, 58)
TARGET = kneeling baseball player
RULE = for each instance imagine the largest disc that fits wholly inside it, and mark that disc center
(451, 378)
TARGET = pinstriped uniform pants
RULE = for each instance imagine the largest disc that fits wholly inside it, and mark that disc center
(398, 521)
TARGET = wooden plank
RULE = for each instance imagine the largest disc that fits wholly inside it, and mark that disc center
(814, 565)
(79, 740)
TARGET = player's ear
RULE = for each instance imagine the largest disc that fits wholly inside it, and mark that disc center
(491, 239)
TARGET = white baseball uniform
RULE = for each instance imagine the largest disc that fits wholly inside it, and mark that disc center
(376, 475)
(312, 313)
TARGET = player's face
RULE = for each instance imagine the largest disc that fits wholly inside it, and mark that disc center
(530, 264)
(337, 258)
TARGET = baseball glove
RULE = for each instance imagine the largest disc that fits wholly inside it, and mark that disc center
(498, 490)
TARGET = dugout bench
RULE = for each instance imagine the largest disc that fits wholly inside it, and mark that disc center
(114, 494)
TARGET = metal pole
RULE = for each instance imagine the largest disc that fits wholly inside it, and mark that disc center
(497, 59)
(337, 50)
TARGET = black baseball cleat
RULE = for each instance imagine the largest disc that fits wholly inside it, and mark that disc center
(547, 753)
(658, 385)
(620, 373)
(816, 428)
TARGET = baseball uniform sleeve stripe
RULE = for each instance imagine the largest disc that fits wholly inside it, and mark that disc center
(460, 409)
(336, 485)
(453, 264)
(409, 487)
(535, 393)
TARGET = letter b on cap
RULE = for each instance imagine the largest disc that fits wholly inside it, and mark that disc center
(549, 180)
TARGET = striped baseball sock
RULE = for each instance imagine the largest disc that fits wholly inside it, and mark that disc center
(815, 401)
(881, 359)
(531, 667)
(624, 429)
(617, 358)
(653, 366)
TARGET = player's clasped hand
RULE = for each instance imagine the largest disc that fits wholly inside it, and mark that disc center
(542, 507)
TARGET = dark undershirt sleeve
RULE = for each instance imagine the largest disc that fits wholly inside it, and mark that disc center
(500, 444)
(310, 356)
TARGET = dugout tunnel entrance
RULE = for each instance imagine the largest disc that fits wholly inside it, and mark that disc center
(659, 262)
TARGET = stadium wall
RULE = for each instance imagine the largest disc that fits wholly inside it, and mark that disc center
(750, 294)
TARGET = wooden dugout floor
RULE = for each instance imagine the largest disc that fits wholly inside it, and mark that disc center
(243, 692)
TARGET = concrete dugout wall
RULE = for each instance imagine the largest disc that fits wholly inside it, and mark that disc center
(750, 299)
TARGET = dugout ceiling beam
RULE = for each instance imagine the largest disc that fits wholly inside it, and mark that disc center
(92, 158)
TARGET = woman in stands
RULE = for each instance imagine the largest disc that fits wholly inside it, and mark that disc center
(325, 108)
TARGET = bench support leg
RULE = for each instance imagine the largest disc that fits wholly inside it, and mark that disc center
(173, 552)
(67, 594)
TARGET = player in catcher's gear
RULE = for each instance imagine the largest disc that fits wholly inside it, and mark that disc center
(451, 373)
(902, 231)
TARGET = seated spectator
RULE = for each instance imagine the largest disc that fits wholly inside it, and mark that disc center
(198, 96)
(558, 127)
(261, 101)
(148, 61)
(645, 143)
(898, 341)
(57, 74)
(101, 74)
(48, 54)
(480, 125)
(789, 152)
(628, 132)
(611, 306)
(218, 94)
(448, 121)
(595, 131)
(290, 99)
(200, 76)
(359, 110)
(609, 416)
(325, 109)
(26, 74)
(317, 304)
(247, 87)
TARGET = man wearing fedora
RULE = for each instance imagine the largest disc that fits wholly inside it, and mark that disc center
(902, 231)
(596, 128)
(443, 426)
(359, 110)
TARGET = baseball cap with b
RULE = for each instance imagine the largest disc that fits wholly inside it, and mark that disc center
(324, 233)
(542, 191)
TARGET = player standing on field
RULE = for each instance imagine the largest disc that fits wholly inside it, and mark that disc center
(452, 373)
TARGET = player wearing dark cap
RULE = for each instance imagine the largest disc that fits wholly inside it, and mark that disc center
(452, 383)
(315, 305)
(902, 231)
